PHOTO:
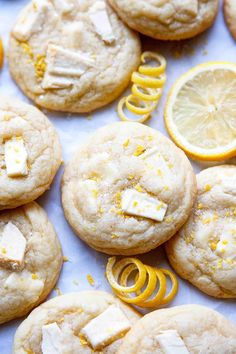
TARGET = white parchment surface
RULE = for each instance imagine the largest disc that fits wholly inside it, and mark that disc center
(215, 44)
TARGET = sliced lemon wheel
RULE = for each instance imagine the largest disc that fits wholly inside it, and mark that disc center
(1, 53)
(200, 113)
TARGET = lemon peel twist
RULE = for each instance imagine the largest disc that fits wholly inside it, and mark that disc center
(149, 287)
(146, 90)
(1, 53)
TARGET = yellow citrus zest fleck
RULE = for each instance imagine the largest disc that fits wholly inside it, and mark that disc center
(90, 279)
(82, 339)
(34, 276)
(126, 143)
(138, 188)
(139, 150)
(208, 187)
(40, 67)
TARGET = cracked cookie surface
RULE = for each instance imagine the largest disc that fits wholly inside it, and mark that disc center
(203, 251)
(201, 330)
(19, 120)
(127, 160)
(167, 20)
(73, 56)
(22, 290)
(71, 312)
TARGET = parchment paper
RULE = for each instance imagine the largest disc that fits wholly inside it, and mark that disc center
(215, 44)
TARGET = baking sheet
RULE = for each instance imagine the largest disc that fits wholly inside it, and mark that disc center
(215, 44)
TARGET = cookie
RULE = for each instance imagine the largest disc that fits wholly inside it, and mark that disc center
(128, 189)
(70, 55)
(204, 250)
(167, 20)
(30, 260)
(182, 329)
(230, 16)
(30, 153)
(85, 322)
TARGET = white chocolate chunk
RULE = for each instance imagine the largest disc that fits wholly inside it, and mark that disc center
(227, 244)
(140, 204)
(88, 190)
(16, 157)
(106, 328)
(171, 342)
(23, 283)
(51, 339)
(63, 65)
(100, 20)
(63, 6)
(154, 160)
(12, 247)
(31, 20)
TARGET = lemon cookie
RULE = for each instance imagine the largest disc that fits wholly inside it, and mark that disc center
(230, 15)
(182, 329)
(70, 55)
(30, 153)
(86, 322)
(167, 20)
(30, 260)
(128, 189)
(204, 250)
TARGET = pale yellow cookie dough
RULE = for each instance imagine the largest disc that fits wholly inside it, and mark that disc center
(70, 55)
(167, 20)
(71, 312)
(201, 329)
(204, 250)
(20, 121)
(116, 159)
(230, 15)
(24, 288)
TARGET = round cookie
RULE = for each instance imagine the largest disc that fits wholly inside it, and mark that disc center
(29, 272)
(70, 55)
(72, 313)
(128, 189)
(203, 252)
(198, 328)
(230, 16)
(30, 153)
(167, 20)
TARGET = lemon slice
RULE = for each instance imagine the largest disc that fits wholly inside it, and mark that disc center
(200, 113)
(1, 53)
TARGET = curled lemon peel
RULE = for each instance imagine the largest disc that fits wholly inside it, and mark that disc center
(146, 90)
(1, 53)
(149, 288)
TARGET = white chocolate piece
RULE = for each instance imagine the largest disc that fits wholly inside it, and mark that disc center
(154, 160)
(51, 339)
(106, 328)
(23, 282)
(140, 204)
(88, 189)
(63, 65)
(63, 6)
(12, 247)
(100, 20)
(171, 342)
(16, 157)
(226, 246)
(31, 23)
